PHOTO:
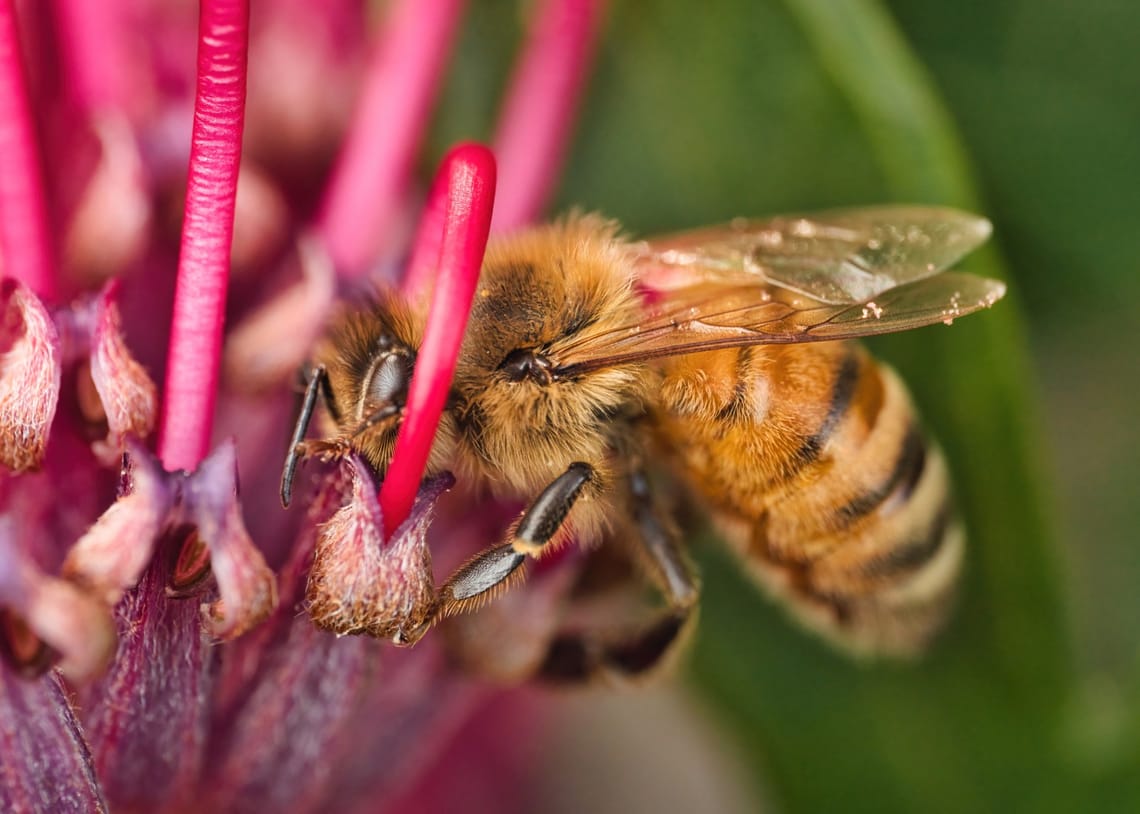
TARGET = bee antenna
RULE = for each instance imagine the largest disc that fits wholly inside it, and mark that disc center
(316, 381)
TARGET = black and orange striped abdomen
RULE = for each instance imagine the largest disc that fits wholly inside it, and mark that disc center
(814, 464)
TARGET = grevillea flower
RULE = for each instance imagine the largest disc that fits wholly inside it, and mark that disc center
(183, 221)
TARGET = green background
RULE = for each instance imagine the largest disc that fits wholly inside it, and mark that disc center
(1026, 112)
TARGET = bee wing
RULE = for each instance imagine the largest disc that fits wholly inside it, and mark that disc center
(839, 257)
(835, 275)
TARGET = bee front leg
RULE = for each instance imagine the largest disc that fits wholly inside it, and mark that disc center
(580, 656)
(496, 568)
(318, 381)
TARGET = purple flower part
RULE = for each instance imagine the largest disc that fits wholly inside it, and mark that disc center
(75, 626)
(359, 583)
(244, 658)
(128, 395)
(247, 587)
(30, 369)
(307, 722)
(44, 762)
(488, 762)
(111, 556)
(112, 387)
(416, 709)
(146, 719)
(281, 748)
(330, 721)
(271, 344)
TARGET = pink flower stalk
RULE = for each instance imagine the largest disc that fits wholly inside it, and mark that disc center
(370, 181)
(470, 192)
(92, 48)
(25, 251)
(194, 356)
(138, 582)
(538, 114)
(423, 261)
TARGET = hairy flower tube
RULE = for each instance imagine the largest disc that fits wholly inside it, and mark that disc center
(173, 237)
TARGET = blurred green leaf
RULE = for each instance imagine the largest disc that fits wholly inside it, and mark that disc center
(979, 397)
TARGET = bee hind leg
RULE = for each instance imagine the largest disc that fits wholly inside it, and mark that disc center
(581, 656)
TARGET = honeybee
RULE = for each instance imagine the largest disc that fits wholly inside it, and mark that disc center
(723, 352)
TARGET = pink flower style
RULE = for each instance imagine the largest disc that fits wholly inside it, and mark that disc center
(156, 652)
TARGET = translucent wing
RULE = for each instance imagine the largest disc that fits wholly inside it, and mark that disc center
(837, 276)
(844, 256)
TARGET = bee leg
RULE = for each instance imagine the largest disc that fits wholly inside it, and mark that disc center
(317, 380)
(492, 569)
(579, 657)
(542, 520)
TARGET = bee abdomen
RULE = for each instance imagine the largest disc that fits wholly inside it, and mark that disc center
(813, 460)
(867, 545)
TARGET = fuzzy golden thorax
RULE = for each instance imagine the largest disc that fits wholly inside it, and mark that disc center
(541, 291)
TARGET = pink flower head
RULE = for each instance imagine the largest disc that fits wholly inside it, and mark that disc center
(360, 584)
(156, 621)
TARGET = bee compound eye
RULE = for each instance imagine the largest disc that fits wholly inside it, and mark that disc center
(388, 382)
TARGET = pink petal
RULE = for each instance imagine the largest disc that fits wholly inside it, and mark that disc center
(29, 377)
(423, 261)
(109, 227)
(305, 67)
(111, 556)
(360, 585)
(368, 184)
(271, 344)
(261, 221)
(128, 395)
(44, 761)
(248, 588)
